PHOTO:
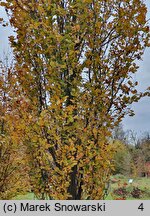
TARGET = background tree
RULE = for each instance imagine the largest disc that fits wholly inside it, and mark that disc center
(74, 67)
(118, 133)
(131, 153)
(144, 146)
(141, 154)
(122, 159)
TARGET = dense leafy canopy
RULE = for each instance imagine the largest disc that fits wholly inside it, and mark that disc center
(14, 178)
(74, 65)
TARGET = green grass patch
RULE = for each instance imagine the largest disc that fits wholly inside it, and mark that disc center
(28, 196)
(118, 181)
(120, 184)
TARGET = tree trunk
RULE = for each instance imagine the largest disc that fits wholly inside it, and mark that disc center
(72, 190)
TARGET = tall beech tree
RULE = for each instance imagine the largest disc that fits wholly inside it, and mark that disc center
(75, 61)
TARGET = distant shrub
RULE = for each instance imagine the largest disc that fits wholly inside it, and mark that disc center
(122, 192)
(136, 192)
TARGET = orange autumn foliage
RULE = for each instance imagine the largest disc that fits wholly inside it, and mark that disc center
(14, 178)
(74, 67)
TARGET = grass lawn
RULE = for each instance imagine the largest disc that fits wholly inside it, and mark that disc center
(120, 181)
(28, 196)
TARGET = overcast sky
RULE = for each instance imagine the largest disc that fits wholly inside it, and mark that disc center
(141, 121)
